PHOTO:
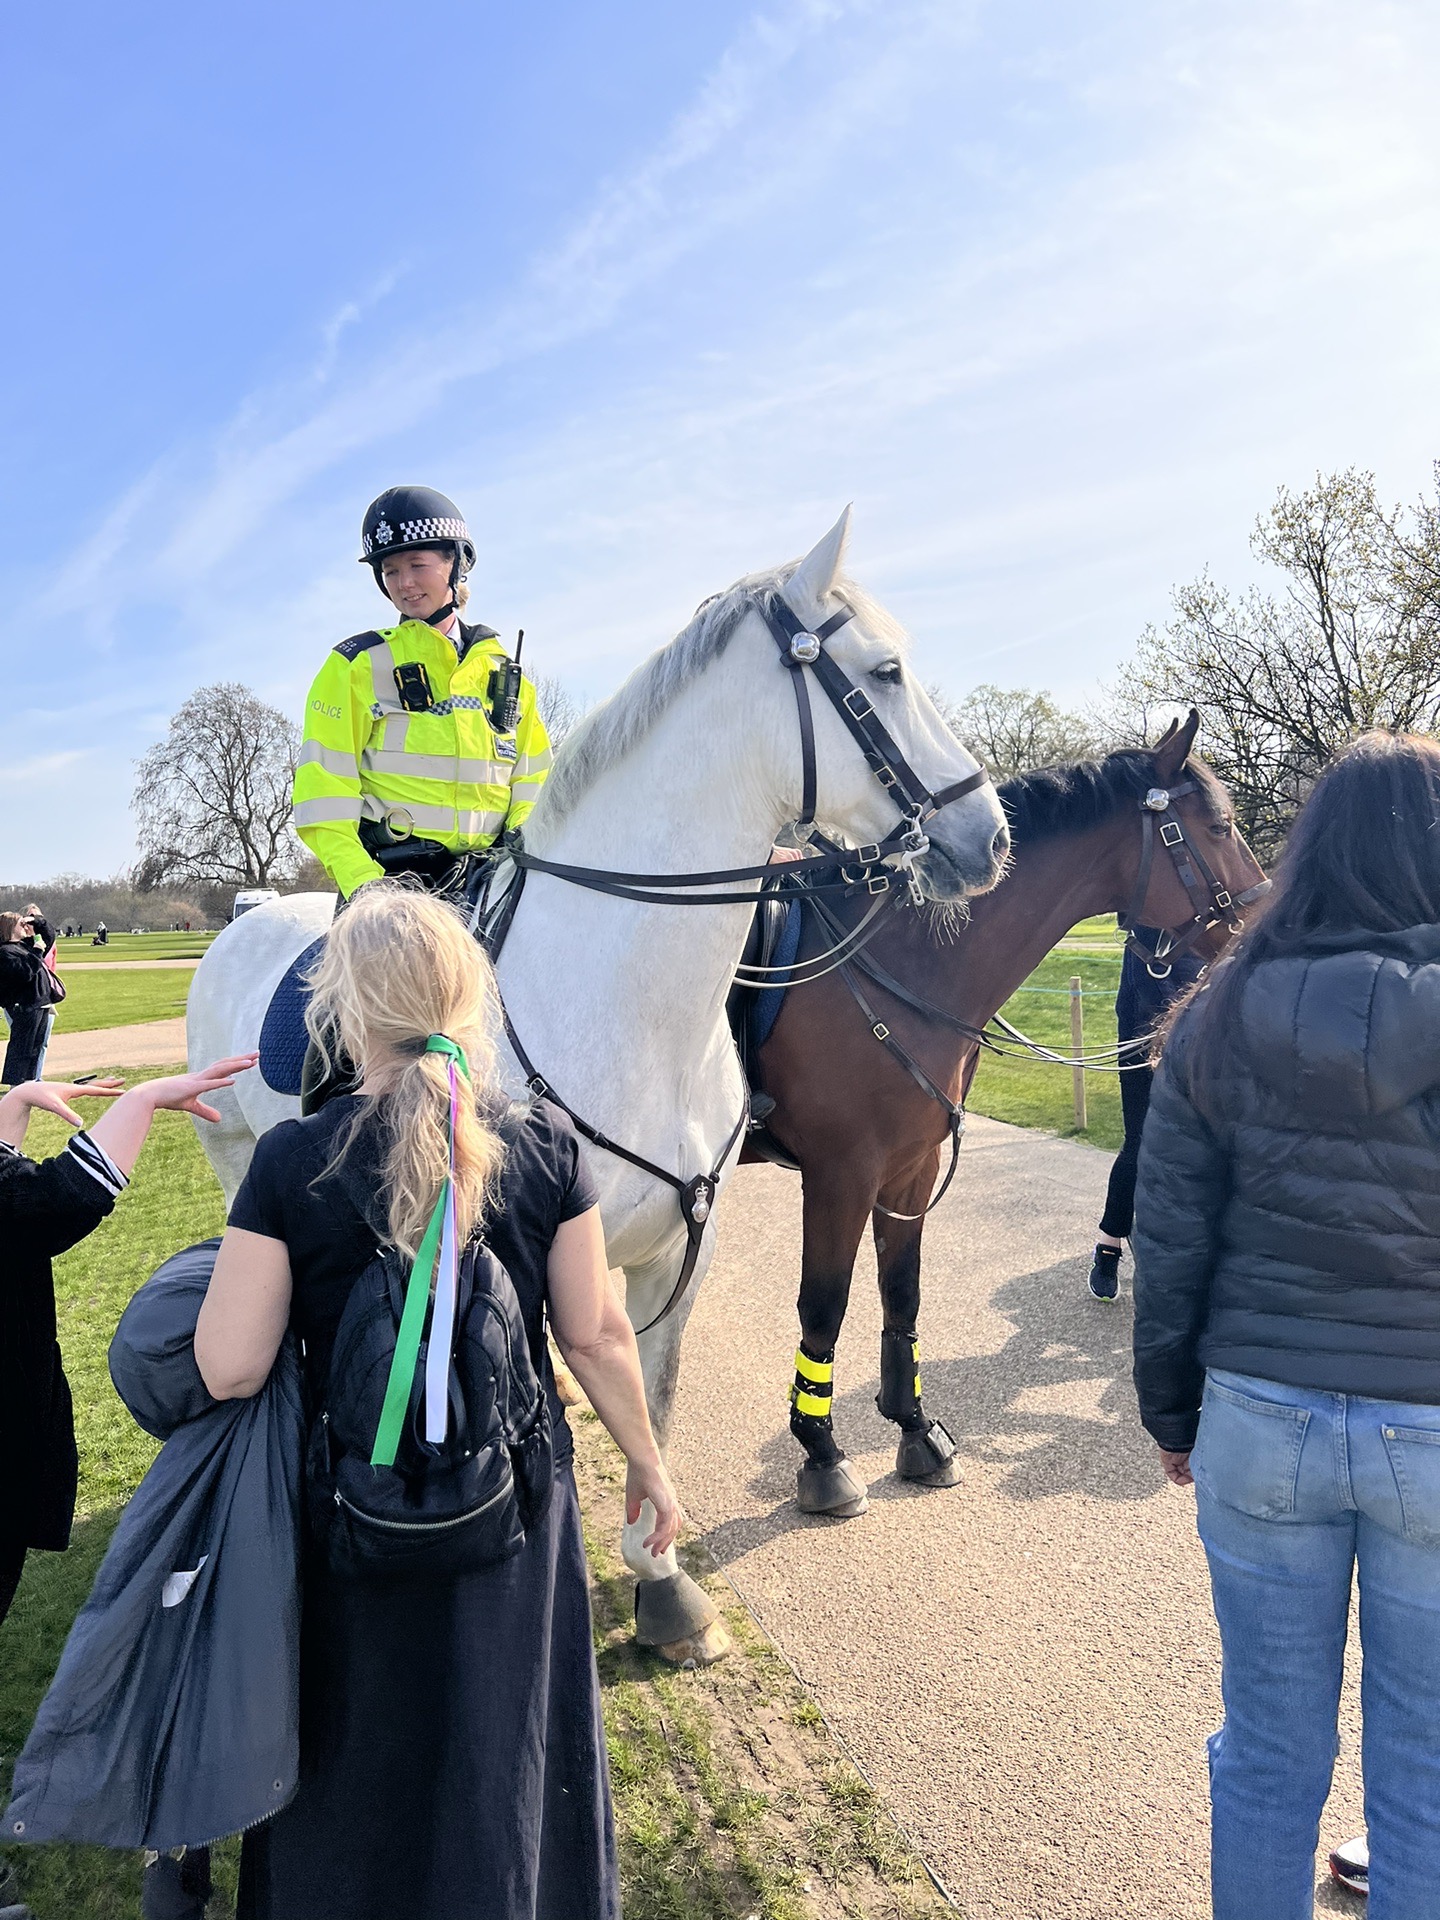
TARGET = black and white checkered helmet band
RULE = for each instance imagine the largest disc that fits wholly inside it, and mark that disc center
(415, 533)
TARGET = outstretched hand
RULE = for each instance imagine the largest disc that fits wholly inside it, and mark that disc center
(652, 1483)
(54, 1096)
(184, 1092)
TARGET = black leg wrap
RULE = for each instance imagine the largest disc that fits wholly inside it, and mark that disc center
(817, 1437)
(899, 1395)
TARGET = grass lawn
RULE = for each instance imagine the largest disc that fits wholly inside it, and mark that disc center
(1032, 1094)
(120, 999)
(134, 946)
(731, 1797)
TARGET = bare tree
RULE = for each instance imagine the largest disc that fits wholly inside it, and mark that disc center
(559, 708)
(1013, 729)
(212, 799)
(1352, 640)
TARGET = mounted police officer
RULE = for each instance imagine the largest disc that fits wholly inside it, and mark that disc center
(423, 741)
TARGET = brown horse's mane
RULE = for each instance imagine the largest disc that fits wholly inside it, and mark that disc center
(1086, 793)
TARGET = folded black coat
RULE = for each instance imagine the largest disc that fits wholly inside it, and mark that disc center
(1292, 1230)
(173, 1718)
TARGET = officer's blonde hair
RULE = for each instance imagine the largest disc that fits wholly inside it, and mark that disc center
(399, 965)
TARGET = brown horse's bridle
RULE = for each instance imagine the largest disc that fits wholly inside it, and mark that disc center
(1213, 902)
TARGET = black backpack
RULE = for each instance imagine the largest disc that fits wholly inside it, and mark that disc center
(445, 1509)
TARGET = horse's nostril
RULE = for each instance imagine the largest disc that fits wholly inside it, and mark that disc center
(1000, 845)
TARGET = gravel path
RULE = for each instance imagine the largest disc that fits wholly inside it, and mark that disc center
(1026, 1665)
(150, 1043)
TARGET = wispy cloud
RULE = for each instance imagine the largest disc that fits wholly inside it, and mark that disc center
(1057, 298)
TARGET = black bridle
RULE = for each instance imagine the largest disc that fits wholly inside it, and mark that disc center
(1212, 901)
(802, 652)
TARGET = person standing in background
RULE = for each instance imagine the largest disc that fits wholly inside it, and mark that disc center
(29, 991)
(1143, 1000)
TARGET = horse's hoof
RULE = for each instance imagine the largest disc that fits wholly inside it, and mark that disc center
(930, 1458)
(701, 1649)
(675, 1613)
(836, 1490)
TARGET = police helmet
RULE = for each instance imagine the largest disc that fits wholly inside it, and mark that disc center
(407, 517)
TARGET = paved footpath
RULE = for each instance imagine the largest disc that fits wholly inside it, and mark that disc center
(1025, 1665)
(149, 1043)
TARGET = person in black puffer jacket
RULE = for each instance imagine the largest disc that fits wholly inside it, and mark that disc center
(1287, 1329)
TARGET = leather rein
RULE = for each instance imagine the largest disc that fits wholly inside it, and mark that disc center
(845, 869)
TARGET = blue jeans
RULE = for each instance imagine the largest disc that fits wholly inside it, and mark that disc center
(1295, 1489)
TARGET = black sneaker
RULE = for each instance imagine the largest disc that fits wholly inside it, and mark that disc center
(176, 1886)
(1105, 1274)
(1350, 1865)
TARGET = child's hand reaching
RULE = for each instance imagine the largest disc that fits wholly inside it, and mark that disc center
(49, 1096)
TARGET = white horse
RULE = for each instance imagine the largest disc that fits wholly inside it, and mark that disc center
(694, 764)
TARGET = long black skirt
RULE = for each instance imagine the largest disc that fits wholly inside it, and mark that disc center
(452, 1759)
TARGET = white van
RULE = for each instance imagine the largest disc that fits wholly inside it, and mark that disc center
(252, 897)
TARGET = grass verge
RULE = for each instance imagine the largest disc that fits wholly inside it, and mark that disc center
(731, 1797)
(133, 946)
(1030, 1093)
(121, 999)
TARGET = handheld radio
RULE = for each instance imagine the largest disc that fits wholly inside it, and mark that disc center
(505, 691)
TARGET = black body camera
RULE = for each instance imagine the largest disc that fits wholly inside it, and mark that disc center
(412, 683)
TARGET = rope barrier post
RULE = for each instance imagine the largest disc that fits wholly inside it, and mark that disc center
(1077, 1050)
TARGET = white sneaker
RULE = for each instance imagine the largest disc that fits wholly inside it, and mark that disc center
(1350, 1865)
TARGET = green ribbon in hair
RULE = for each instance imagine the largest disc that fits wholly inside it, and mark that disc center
(417, 1289)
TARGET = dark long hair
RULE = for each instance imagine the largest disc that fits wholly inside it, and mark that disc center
(1363, 854)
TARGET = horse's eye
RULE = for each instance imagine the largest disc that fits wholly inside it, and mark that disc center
(889, 673)
(1222, 829)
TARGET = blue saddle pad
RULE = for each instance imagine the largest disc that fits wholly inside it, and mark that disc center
(766, 1005)
(283, 1038)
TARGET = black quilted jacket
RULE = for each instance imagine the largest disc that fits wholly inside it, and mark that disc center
(1297, 1235)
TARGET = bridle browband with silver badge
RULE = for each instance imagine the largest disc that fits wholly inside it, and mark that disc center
(802, 652)
(1212, 901)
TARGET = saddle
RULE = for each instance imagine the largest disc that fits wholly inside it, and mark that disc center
(773, 941)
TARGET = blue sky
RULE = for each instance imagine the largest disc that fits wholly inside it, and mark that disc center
(1057, 296)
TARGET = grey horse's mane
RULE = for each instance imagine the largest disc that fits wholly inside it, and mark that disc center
(619, 724)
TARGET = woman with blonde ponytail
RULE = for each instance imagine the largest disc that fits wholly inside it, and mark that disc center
(452, 1756)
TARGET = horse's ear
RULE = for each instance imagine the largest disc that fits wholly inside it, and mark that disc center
(1174, 750)
(813, 578)
(1165, 736)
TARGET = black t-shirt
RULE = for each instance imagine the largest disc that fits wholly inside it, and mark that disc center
(331, 1223)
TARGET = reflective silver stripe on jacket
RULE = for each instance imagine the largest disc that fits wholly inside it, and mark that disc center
(333, 759)
(423, 819)
(320, 813)
(529, 764)
(436, 766)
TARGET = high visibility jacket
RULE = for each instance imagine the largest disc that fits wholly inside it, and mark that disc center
(445, 775)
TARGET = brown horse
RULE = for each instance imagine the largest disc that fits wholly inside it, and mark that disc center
(853, 1114)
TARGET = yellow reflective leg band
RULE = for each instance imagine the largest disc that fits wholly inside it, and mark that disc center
(915, 1350)
(814, 1386)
